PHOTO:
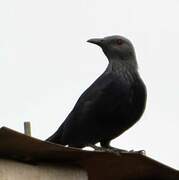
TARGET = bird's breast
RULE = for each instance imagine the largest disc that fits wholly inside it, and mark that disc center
(131, 99)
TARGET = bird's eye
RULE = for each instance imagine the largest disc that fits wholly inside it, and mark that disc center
(119, 42)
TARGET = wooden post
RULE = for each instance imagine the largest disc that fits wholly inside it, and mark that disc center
(27, 128)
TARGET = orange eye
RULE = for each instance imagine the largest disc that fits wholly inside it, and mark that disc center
(119, 42)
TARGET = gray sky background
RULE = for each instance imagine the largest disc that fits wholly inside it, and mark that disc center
(45, 64)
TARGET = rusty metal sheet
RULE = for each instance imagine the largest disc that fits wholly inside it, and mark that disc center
(99, 165)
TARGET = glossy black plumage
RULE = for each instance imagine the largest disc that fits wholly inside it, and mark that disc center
(111, 105)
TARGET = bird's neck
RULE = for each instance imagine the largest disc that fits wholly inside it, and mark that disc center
(118, 65)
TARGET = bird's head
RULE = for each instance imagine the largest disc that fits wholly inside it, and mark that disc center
(115, 47)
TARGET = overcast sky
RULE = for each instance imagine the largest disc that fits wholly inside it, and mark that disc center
(45, 64)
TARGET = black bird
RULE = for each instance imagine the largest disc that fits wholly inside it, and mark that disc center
(111, 105)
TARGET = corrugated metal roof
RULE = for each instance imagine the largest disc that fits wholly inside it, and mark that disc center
(99, 165)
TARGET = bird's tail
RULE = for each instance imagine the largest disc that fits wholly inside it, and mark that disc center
(57, 136)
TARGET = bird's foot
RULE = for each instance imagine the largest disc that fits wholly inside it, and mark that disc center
(142, 152)
(96, 148)
(108, 149)
(116, 150)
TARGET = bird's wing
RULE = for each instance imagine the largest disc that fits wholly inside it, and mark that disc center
(94, 109)
(105, 95)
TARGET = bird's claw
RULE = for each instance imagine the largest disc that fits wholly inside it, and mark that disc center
(116, 151)
(109, 150)
(141, 152)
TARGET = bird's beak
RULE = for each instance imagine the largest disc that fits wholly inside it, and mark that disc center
(97, 41)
